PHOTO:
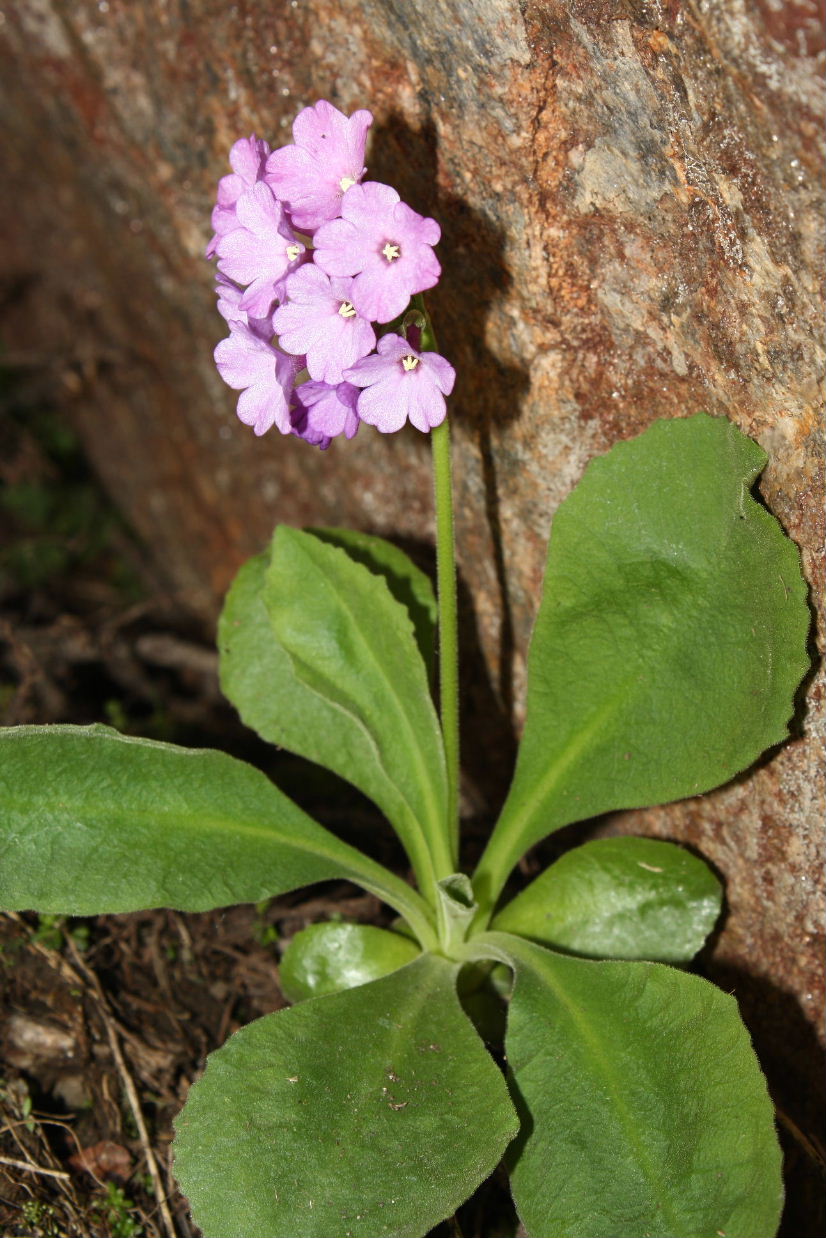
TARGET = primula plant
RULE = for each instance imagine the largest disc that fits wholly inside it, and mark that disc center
(559, 1032)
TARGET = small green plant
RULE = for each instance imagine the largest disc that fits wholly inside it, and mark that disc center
(51, 932)
(43, 1219)
(116, 1210)
(668, 646)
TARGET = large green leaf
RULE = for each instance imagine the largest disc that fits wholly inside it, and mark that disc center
(92, 821)
(620, 898)
(408, 584)
(644, 1112)
(258, 676)
(372, 1112)
(351, 645)
(670, 639)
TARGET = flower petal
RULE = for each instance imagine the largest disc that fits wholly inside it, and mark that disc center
(259, 407)
(338, 247)
(382, 406)
(312, 175)
(443, 372)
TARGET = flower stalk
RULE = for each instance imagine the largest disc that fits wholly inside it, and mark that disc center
(419, 329)
(448, 623)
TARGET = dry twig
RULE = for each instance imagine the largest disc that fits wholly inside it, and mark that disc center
(31, 1168)
(128, 1087)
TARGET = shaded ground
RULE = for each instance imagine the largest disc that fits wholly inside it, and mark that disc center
(88, 1118)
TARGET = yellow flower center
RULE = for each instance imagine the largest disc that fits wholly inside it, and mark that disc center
(347, 309)
(391, 251)
(293, 251)
(409, 363)
(345, 183)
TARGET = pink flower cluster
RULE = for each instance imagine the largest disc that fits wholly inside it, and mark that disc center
(311, 261)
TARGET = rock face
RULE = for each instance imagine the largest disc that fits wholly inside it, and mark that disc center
(628, 191)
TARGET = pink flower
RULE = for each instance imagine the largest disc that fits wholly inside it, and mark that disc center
(370, 253)
(385, 244)
(321, 412)
(263, 374)
(247, 159)
(318, 320)
(311, 176)
(302, 429)
(229, 307)
(402, 384)
(261, 252)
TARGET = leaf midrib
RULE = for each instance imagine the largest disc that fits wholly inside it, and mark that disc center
(262, 727)
(583, 1025)
(397, 792)
(314, 847)
(423, 767)
(554, 774)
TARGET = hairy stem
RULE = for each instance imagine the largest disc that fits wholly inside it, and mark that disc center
(448, 626)
(419, 330)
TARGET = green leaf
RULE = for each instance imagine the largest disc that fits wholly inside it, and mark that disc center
(257, 675)
(644, 1112)
(372, 1112)
(351, 645)
(261, 680)
(670, 640)
(330, 957)
(92, 821)
(620, 898)
(407, 583)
